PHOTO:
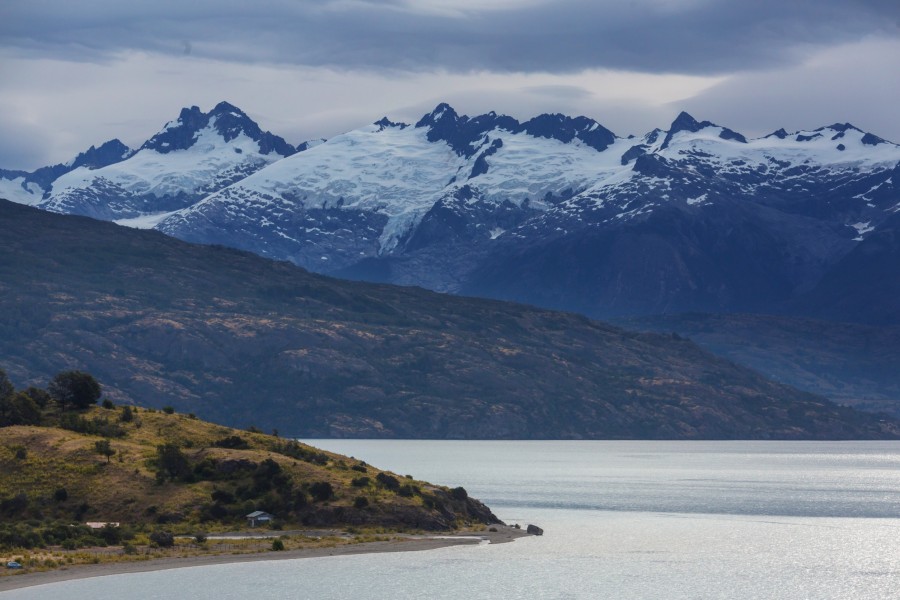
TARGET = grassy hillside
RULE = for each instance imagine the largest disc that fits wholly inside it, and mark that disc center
(241, 340)
(51, 473)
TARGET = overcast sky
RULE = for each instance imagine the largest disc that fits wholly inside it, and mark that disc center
(73, 74)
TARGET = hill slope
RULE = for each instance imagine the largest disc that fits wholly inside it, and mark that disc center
(223, 474)
(242, 340)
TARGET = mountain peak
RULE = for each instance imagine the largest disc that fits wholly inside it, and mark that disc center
(225, 107)
(229, 122)
(443, 112)
(565, 129)
(108, 153)
(385, 123)
(685, 122)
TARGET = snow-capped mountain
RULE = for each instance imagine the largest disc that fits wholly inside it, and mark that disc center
(190, 158)
(554, 211)
(560, 212)
(29, 188)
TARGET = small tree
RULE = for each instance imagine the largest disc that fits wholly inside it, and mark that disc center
(127, 415)
(172, 462)
(19, 409)
(75, 389)
(103, 447)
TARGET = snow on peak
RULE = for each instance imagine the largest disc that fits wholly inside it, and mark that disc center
(688, 124)
(226, 119)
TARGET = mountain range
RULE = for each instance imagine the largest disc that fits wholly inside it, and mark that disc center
(243, 340)
(555, 211)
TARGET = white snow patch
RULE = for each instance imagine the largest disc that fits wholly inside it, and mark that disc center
(147, 221)
(861, 229)
(16, 190)
(496, 232)
(701, 199)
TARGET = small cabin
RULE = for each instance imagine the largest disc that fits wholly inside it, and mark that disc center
(259, 517)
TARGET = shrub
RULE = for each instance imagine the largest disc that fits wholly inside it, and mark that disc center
(408, 490)
(388, 481)
(172, 462)
(360, 482)
(129, 549)
(69, 544)
(127, 415)
(61, 494)
(277, 545)
(360, 468)
(163, 539)
(360, 502)
(19, 409)
(321, 491)
(107, 404)
(233, 442)
(168, 410)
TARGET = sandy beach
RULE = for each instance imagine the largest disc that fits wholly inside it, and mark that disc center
(403, 544)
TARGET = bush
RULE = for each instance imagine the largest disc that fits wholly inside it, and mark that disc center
(19, 409)
(168, 410)
(388, 481)
(360, 482)
(408, 490)
(61, 494)
(360, 502)
(127, 415)
(107, 404)
(277, 545)
(321, 491)
(172, 462)
(163, 539)
(233, 442)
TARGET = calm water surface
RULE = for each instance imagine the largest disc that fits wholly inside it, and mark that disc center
(660, 520)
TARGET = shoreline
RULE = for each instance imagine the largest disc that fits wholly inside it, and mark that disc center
(402, 544)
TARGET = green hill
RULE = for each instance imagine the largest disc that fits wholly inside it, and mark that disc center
(174, 470)
(241, 340)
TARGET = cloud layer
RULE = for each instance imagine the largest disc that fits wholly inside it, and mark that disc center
(74, 74)
(656, 36)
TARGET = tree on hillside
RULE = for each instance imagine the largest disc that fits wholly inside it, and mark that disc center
(103, 447)
(19, 409)
(75, 389)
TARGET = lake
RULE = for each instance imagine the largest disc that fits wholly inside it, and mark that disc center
(622, 519)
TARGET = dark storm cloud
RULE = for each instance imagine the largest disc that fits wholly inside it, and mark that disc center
(686, 36)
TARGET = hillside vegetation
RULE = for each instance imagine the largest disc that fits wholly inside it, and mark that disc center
(242, 340)
(148, 469)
